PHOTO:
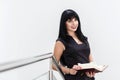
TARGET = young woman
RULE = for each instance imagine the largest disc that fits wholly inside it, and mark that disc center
(72, 48)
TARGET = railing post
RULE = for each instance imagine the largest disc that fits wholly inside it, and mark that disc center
(50, 70)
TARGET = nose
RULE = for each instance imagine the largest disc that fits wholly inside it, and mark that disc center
(73, 22)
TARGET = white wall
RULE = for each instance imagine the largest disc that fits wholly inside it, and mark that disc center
(30, 27)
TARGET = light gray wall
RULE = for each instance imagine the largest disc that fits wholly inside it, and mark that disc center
(30, 27)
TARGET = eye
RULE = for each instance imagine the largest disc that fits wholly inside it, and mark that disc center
(69, 20)
(75, 19)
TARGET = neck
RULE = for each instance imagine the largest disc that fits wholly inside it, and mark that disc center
(72, 34)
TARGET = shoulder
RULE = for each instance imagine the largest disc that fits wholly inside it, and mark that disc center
(60, 43)
(61, 40)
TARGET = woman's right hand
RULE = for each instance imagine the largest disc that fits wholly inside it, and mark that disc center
(72, 71)
(76, 67)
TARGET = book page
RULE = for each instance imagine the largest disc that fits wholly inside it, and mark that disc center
(97, 68)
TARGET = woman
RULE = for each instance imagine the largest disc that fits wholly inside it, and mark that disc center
(72, 48)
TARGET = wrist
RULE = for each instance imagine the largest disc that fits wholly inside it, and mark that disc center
(68, 71)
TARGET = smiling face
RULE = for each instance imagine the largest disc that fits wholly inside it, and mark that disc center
(71, 25)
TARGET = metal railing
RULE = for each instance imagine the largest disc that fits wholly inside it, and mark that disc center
(24, 62)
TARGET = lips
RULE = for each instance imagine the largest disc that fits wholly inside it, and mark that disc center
(73, 27)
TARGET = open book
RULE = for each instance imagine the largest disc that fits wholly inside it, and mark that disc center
(93, 66)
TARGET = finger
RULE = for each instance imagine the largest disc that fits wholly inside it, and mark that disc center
(76, 67)
(87, 73)
(79, 68)
(93, 74)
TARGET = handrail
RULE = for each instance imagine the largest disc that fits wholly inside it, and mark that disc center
(22, 62)
(58, 67)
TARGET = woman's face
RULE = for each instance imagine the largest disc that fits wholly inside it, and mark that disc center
(72, 24)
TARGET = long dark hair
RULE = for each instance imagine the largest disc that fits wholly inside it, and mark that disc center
(69, 14)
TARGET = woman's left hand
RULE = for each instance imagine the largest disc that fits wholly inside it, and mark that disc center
(90, 73)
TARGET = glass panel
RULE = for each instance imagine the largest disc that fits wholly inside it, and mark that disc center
(44, 76)
(57, 75)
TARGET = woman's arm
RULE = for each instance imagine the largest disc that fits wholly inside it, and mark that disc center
(90, 73)
(58, 51)
(90, 58)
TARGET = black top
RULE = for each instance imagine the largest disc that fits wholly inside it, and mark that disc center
(74, 53)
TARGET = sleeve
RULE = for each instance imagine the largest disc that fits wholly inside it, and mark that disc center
(61, 40)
